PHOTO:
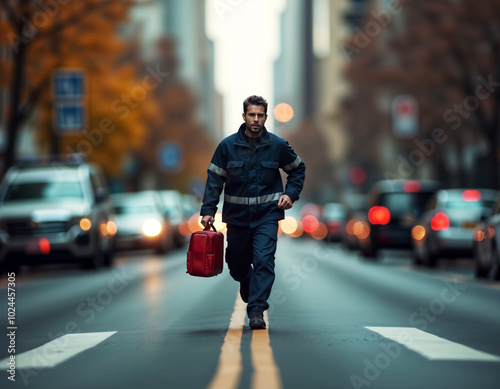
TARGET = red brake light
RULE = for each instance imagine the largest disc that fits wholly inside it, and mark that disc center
(309, 224)
(44, 246)
(379, 215)
(471, 195)
(412, 186)
(440, 222)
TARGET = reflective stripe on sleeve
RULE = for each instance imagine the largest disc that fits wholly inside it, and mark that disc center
(217, 170)
(253, 200)
(292, 165)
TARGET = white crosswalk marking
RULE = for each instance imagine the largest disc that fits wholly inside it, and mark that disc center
(431, 346)
(58, 350)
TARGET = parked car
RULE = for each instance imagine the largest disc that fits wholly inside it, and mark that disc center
(172, 204)
(55, 211)
(446, 228)
(333, 216)
(141, 223)
(393, 209)
(486, 245)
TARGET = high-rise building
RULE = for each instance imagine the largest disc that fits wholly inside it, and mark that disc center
(308, 76)
(293, 70)
(185, 22)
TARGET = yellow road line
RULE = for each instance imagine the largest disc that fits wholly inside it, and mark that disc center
(230, 366)
(266, 373)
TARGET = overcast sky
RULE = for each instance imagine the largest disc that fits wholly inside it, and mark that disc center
(246, 37)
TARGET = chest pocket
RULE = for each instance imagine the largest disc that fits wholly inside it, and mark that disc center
(269, 171)
(236, 172)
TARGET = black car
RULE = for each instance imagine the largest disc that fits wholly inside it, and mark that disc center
(393, 209)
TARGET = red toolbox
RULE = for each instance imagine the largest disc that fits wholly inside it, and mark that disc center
(205, 256)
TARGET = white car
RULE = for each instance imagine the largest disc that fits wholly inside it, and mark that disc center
(140, 222)
(55, 212)
(446, 228)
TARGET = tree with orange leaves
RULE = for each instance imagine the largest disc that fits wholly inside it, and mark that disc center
(445, 53)
(45, 35)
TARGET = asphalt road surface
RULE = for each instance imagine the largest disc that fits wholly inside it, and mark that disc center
(335, 321)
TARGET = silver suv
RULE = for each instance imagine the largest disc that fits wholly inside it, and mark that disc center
(55, 212)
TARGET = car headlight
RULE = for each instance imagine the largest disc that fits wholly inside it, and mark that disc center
(111, 228)
(151, 227)
(84, 222)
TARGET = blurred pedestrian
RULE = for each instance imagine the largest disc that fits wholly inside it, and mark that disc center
(246, 165)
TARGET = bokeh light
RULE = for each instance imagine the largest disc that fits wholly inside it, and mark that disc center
(320, 232)
(361, 230)
(194, 223)
(479, 236)
(44, 246)
(309, 224)
(85, 224)
(111, 226)
(151, 227)
(418, 232)
(289, 225)
(283, 112)
(218, 223)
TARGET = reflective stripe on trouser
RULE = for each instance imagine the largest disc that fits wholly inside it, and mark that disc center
(253, 200)
(250, 253)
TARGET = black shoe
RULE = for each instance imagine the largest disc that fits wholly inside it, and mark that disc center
(245, 290)
(257, 321)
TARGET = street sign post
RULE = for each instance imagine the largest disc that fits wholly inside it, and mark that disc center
(170, 157)
(68, 94)
(69, 116)
(405, 116)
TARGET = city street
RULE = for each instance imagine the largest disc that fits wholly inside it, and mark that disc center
(335, 321)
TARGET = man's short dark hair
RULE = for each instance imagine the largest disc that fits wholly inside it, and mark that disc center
(254, 100)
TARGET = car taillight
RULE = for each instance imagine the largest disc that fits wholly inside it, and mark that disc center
(309, 224)
(471, 195)
(440, 222)
(412, 186)
(379, 215)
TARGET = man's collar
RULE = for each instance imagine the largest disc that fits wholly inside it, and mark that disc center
(242, 138)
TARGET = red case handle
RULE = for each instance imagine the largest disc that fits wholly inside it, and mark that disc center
(207, 227)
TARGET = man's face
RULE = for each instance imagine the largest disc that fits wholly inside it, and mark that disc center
(254, 120)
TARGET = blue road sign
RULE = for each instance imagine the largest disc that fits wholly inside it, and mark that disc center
(69, 85)
(170, 157)
(68, 92)
(69, 117)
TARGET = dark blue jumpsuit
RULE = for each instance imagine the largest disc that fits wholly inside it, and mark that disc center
(248, 171)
